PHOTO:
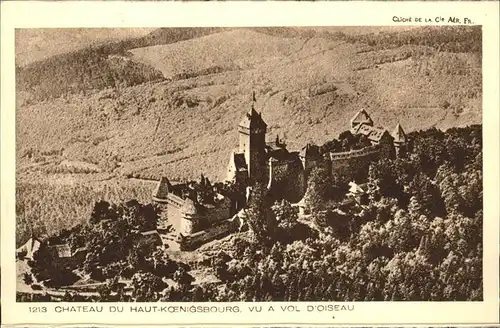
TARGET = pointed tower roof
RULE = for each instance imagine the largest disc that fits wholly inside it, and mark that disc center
(252, 118)
(361, 117)
(399, 134)
(162, 189)
(310, 150)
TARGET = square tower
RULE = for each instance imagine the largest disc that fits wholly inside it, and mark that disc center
(252, 143)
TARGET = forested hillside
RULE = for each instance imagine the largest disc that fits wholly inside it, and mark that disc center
(96, 67)
(418, 238)
(36, 44)
(308, 85)
(99, 116)
(87, 69)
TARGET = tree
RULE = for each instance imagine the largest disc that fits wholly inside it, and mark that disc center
(402, 236)
(286, 217)
(220, 266)
(387, 177)
(318, 188)
(347, 140)
(146, 287)
(101, 211)
(428, 195)
(183, 278)
(260, 222)
(28, 278)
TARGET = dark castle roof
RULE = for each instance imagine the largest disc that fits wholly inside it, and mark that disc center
(253, 120)
(163, 188)
(372, 133)
(361, 117)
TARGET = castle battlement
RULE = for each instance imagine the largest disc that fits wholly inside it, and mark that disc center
(170, 198)
(199, 213)
(370, 150)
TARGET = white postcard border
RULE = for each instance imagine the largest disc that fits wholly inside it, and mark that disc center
(163, 14)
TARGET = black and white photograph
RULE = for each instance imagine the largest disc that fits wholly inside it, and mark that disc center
(249, 164)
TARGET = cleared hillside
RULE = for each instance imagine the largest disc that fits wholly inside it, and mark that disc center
(229, 50)
(307, 88)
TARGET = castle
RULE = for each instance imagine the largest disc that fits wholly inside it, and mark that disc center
(199, 212)
(266, 162)
(286, 172)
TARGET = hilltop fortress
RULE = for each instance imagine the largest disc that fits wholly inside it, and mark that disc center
(286, 172)
(200, 212)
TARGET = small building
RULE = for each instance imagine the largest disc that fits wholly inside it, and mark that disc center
(60, 251)
(61, 255)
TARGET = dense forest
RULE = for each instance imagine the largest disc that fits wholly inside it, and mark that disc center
(418, 237)
(98, 67)
(442, 38)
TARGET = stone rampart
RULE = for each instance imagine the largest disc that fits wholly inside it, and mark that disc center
(287, 180)
(215, 213)
(195, 240)
(364, 152)
(353, 165)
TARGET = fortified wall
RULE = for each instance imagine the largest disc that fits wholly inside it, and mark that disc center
(200, 214)
(287, 179)
(192, 207)
(195, 240)
(354, 164)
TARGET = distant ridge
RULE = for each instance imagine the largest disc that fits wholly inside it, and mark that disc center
(88, 69)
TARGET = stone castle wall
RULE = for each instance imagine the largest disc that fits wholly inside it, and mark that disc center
(288, 180)
(215, 214)
(359, 153)
(199, 238)
(207, 217)
(353, 165)
(172, 211)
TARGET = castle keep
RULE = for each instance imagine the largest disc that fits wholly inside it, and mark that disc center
(270, 163)
(286, 172)
(200, 213)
